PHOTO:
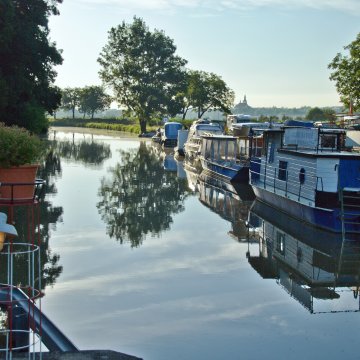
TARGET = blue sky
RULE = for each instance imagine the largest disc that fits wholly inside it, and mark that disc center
(274, 51)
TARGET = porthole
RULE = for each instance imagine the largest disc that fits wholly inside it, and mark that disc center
(302, 175)
(299, 255)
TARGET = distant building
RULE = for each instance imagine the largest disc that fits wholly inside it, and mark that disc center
(242, 107)
(245, 101)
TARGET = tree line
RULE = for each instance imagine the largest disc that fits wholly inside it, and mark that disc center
(87, 100)
(141, 68)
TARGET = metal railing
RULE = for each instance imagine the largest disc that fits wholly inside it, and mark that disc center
(288, 183)
(35, 189)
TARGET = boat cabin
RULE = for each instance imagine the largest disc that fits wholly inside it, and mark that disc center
(231, 120)
(248, 128)
(198, 129)
(307, 165)
(220, 155)
(221, 148)
(303, 139)
(169, 135)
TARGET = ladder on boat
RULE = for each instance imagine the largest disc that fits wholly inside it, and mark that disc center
(349, 259)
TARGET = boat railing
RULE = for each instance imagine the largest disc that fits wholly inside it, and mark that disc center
(279, 179)
(33, 192)
(315, 149)
(255, 151)
(246, 152)
(318, 148)
(290, 147)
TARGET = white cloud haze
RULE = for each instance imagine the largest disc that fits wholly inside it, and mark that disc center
(349, 6)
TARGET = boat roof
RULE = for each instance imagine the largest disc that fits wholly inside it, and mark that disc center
(172, 123)
(321, 130)
(218, 137)
(257, 124)
(301, 123)
(206, 126)
(321, 154)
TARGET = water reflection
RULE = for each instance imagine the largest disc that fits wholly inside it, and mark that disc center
(192, 175)
(139, 197)
(25, 219)
(308, 263)
(222, 198)
(170, 164)
(194, 287)
(85, 152)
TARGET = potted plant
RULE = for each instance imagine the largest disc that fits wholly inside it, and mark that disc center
(19, 155)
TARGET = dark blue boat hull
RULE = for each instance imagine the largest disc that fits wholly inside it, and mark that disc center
(236, 174)
(328, 219)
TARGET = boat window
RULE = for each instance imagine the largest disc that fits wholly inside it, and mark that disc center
(280, 243)
(207, 148)
(302, 175)
(299, 254)
(271, 152)
(231, 150)
(328, 141)
(282, 173)
(257, 145)
(212, 149)
(222, 150)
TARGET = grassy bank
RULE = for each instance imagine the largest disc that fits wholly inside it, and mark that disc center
(125, 125)
(106, 124)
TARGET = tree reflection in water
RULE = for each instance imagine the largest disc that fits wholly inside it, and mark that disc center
(85, 152)
(139, 196)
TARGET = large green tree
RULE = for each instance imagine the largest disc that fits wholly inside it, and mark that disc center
(70, 99)
(346, 74)
(92, 99)
(315, 114)
(329, 114)
(141, 68)
(27, 60)
(205, 91)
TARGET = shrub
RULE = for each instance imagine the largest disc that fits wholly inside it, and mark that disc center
(18, 146)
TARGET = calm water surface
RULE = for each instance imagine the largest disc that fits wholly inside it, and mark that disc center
(151, 260)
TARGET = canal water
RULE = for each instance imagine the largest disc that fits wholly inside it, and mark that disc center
(146, 257)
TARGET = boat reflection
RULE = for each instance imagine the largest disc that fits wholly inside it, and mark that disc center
(314, 266)
(223, 198)
(170, 163)
(180, 171)
(192, 175)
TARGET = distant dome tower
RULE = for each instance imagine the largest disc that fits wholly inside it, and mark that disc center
(245, 101)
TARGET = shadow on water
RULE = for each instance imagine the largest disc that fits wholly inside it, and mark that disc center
(139, 196)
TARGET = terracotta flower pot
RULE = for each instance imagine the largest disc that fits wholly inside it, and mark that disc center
(17, 184)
